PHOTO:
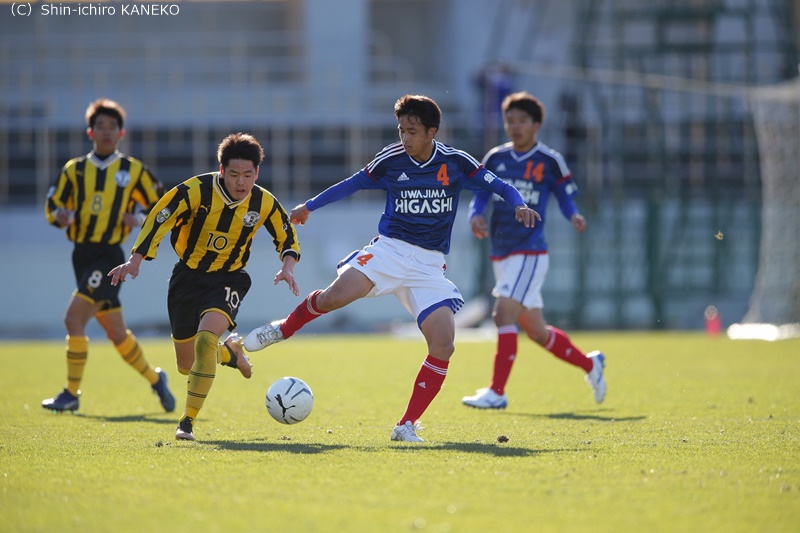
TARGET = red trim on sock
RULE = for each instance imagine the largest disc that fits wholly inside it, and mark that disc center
(427, 385)
(302, 315)
(561, 346)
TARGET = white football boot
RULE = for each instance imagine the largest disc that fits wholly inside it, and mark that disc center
(486, 399)
(407, 432)
(264, 336)
(595, 378)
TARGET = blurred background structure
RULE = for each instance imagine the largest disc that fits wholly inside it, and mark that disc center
(651, 103)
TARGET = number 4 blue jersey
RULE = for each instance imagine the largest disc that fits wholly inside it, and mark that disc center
(421, 198)
(537, 174)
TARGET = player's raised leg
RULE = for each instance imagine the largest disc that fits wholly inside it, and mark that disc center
(561, 346)
(131, 352)
(595, 377)
(349, 286)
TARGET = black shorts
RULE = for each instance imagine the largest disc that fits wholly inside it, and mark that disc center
(192, 293)
(91, 264)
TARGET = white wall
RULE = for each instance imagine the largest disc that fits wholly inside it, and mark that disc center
(36, 277)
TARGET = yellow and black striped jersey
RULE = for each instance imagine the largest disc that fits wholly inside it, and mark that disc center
(100, 193)
(211, 232)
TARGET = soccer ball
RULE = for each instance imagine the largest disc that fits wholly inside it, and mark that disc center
(289, 400)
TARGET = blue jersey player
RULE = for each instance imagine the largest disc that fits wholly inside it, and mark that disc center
(519, 255)
(422, 179)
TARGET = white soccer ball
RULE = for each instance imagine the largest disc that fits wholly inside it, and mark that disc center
(289, 400)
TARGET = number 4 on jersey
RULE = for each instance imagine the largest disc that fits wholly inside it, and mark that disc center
(442, 176)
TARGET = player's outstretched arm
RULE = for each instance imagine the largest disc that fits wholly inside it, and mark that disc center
(119, 273)
(287, 274)
(299, 214)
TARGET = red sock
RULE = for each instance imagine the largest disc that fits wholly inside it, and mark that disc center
(426, 386)
(559, 345)
(504, 357)
(302, 315)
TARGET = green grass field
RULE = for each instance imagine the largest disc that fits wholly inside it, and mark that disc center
(696, 434)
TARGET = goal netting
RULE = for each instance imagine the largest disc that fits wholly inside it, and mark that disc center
(774, 310)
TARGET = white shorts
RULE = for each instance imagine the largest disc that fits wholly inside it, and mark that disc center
(413, 274)
(520, 278)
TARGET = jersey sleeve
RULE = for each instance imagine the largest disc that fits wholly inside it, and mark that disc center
(482, 179)
(148, 190)
(358, 181)
(565, 191)
(59, 195)
(478, 204)
(163, 217)
(282, 230)
(481, 199)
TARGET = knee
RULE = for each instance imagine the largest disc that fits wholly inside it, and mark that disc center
(117, 336)
(72, 323)
(442, 350)
(329, 300)
(205, 348)
(498, 321)
(539, 335)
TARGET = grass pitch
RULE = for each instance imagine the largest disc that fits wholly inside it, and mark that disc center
(696, 434)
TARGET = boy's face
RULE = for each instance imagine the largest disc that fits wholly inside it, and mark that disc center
(105, 134)
(416, 138)
(239, 178)
(520, 128)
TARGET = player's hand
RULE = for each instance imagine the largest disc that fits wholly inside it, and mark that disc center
(288, 277)
(287, 274)
(132, 221)
(63, 217)
(299, 214)
(578, 222)
(131, 267)
(526, 215)
(479, 226)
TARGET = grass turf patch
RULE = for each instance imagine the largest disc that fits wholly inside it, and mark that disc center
(695, 433)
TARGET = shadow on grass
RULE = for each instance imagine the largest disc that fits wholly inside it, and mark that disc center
(486, 448)
(498, 450)
(577, 416)
(130, 418)
(301, 448)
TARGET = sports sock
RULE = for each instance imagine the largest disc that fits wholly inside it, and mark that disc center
(302, 315)
(426, 386)
(223, 355)
(504, 357)
(203, 371)
(77, 352)
(131, 352)
(561, 346)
